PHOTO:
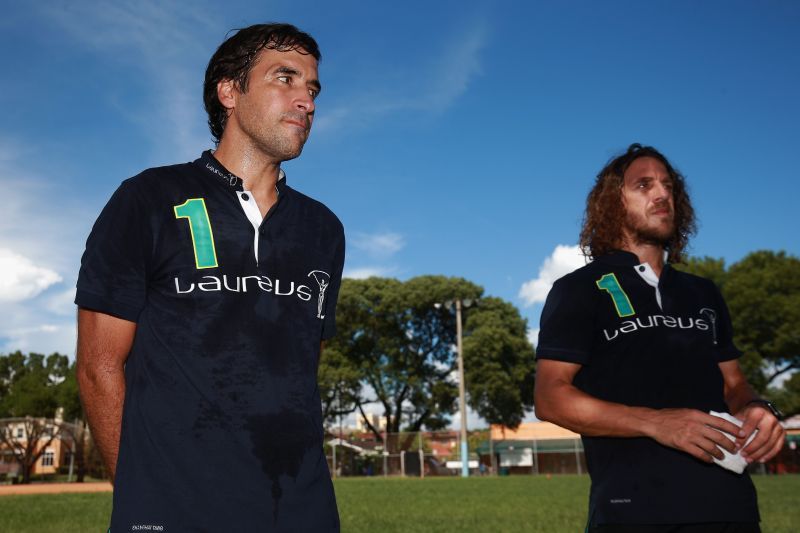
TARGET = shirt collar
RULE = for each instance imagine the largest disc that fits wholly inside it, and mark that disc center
(619, 258)
(228, 178)
(626, 258)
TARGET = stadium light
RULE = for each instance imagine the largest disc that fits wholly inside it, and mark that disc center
(466, 302)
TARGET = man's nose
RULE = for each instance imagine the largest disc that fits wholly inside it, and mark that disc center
(661, 192)
(305, 102)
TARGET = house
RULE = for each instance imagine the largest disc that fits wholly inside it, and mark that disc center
(545, 448)
(17, 431)
(533, 448)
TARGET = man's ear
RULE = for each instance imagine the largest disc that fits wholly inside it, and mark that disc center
(227, 92)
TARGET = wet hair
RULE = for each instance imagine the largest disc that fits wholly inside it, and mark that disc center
(605, 211)
(235, 58)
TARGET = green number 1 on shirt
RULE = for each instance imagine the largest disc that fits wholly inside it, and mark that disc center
(610, 284)
(205, 255)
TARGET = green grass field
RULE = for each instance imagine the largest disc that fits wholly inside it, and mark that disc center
(511, 504)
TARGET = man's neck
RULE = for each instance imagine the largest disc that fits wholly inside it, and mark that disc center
(652, 254)
(259, 173)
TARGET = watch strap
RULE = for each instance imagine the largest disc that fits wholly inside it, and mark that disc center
(769, 406)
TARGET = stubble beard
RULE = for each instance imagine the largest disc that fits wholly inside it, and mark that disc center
(277, 140)
(641, 233)
(279, 144)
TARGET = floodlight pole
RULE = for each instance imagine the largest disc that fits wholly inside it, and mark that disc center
(462, 395)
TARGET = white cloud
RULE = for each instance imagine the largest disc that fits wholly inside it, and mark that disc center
(562, 261)
(378, 244)
(21, 279)
(62, 303)
(43, 338)
(40, 253)
(367, 272)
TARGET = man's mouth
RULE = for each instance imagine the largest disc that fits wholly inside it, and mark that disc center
(299, 122)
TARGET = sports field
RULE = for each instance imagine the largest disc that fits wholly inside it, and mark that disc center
(452, 505)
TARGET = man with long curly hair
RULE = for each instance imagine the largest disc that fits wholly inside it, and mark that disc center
(638, 358)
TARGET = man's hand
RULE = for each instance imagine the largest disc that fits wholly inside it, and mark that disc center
(697, 433)
(738, 395)
(770, 438)
(688, 430)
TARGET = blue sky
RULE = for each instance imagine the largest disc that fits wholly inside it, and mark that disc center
(455, 138)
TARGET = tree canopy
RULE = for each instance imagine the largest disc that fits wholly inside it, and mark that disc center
(763, 294)
(30, 384)
(32, 388)
(395, 346)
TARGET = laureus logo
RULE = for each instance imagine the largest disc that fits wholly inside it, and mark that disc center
(323, 279)
(276, 286)
(711, 315)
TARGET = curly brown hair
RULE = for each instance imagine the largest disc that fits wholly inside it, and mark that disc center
(605, 212)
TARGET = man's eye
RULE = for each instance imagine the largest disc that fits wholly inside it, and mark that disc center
(284, 79)
(313, 93)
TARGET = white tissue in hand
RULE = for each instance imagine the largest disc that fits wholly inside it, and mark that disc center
(732, 461)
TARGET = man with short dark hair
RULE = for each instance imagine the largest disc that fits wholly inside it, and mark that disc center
(204, 294)
(636, 356)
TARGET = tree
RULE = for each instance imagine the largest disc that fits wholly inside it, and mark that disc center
(337, 379)
(787, 396)
(499, 362)
(402, 347)
(30, 384)
(75, 429)
(706, 267)
(763, 294)
(35, 436)
(30, 396)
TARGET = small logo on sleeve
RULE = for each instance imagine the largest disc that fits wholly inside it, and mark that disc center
(323, 279)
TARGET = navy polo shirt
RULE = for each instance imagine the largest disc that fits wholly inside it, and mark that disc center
(654, 342)
(222, 425)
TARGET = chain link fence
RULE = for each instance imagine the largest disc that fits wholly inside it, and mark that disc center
(437, 453)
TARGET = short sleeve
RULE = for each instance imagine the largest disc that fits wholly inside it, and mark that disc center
(332, 293)
(113, 273)
(726, 350)
(566, 325)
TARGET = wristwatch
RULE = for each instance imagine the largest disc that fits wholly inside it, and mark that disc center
(769, 405)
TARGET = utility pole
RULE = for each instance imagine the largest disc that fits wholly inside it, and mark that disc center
(462, 395)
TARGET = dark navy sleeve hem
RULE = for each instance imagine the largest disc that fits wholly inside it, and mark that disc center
(729, 355)
(95, 302)
(329, 332)
(559, 354)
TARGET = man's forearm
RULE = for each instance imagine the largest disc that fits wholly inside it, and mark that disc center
(567, 406)
(692, 431)
(738, 393)
(103, 396)
(104, 343)
(738, 398)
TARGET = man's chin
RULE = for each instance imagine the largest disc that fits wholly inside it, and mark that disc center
(292, 151)
(660, 238)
